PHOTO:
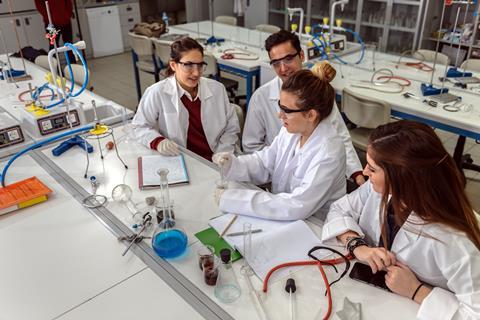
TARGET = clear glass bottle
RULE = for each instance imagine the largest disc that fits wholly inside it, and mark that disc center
(227, 289)
(168, 242)
(167, 220)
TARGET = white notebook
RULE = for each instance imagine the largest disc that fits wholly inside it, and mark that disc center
(279, 242)
(148, 166)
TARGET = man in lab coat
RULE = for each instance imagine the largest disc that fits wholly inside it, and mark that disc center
(262, 123)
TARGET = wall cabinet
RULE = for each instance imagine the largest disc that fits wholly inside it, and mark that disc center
(17, 5)
(30, 28)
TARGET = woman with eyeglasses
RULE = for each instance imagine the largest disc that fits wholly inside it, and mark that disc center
(186, 109)
(305, 163)
(413, 220)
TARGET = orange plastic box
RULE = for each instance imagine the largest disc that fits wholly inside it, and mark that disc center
(22, 194)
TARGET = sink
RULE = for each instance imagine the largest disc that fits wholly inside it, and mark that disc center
(106, 113)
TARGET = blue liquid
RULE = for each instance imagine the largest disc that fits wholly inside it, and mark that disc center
(170, 243)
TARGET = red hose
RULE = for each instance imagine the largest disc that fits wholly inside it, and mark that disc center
(308, 263)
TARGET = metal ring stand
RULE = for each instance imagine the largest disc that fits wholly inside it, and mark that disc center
(92, 136)
(94, 201)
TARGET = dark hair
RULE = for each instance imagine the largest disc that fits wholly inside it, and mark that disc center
(313, 89)
(421, 177)
(281, 37)
(181, 46)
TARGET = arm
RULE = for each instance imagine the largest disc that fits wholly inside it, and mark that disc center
(146, 118)
(254, 132)
(229, 137)
(353, 163)
(344, 216)
(257, 167)
(314, 191)
(462, 299)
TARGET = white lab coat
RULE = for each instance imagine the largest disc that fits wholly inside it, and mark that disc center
(161, 113)
(262, 124)
(451, 263)
(305, 181)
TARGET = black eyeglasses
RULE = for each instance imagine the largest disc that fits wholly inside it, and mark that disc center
(288, 59)
(190, 66)
(287, 110)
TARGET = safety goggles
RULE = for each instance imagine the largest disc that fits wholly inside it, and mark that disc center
(287, 110)
(191, 66)
(287, 60)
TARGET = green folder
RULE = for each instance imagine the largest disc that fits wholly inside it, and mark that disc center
(211, 237)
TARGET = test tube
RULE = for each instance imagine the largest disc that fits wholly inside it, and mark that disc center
(247, 248)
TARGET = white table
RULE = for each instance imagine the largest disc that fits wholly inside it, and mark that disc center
(193, 207)
(55, 255)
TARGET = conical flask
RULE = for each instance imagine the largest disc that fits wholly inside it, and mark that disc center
(227, 289)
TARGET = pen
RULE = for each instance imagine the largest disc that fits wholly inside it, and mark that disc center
(228, 225)
(241, 233)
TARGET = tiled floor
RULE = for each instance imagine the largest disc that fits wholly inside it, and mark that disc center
(112, 77)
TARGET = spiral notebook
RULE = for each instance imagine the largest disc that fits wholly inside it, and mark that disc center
(148, 166)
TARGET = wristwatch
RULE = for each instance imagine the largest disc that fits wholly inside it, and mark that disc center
(354, 243)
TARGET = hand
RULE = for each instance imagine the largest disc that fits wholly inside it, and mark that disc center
(360, 179)
(223, 159)
(217, 194)
(401, 280)
(377, 258)
(167, 147)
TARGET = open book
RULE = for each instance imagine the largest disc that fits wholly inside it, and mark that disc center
(148, 166)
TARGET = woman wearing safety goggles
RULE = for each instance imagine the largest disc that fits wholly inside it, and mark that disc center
(305, 163)
(187, 109)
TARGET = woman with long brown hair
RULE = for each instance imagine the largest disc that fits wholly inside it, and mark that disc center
(413, 220)
(187, 109)
(305, 163)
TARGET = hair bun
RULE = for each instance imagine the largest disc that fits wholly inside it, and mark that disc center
(324, 71)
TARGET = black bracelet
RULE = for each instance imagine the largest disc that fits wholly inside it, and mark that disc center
(415, 293)
(353, 243)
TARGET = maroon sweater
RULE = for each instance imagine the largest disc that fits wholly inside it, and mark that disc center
(196, 139)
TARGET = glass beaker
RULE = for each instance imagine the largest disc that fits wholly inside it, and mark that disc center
(226, 289)
(205, 255)
(210, 271)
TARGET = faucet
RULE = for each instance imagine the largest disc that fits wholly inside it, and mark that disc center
(332, 13)
(291, 11)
